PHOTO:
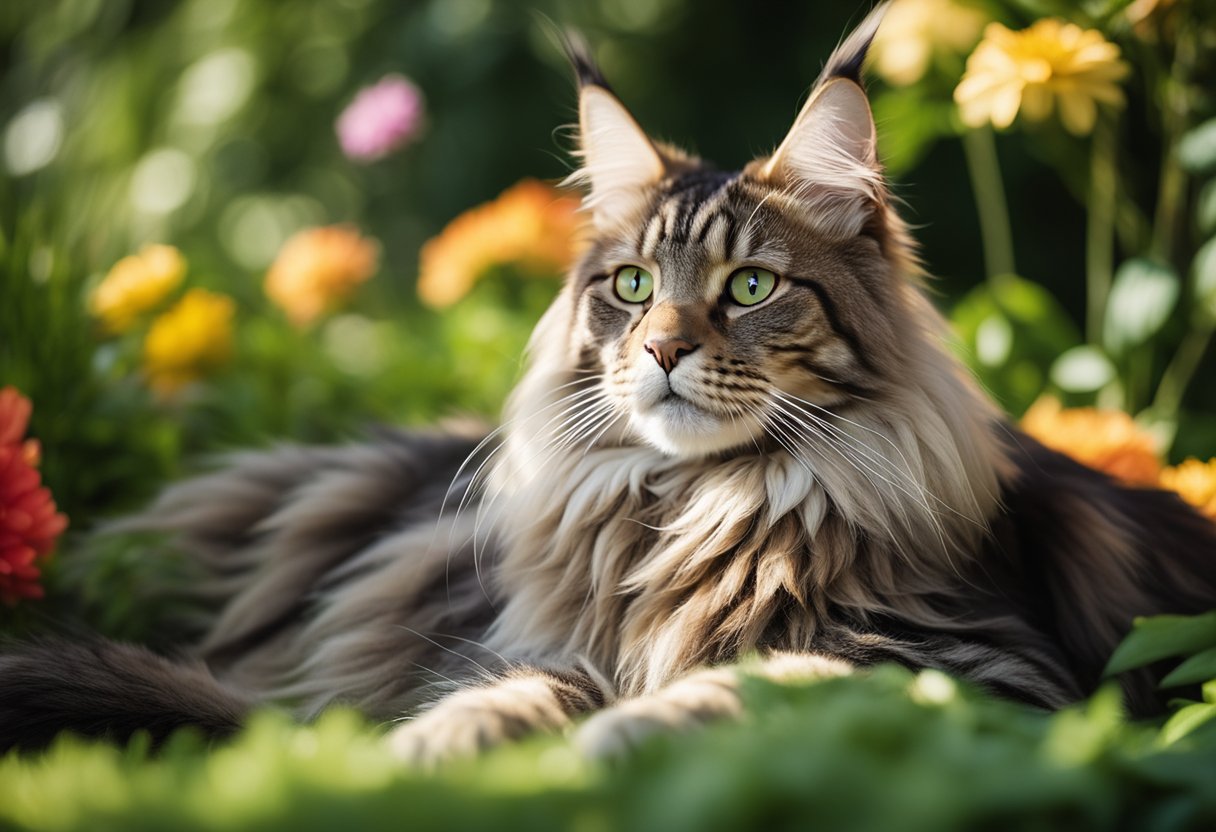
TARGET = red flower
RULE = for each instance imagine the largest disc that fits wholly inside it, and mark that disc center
(29, 522)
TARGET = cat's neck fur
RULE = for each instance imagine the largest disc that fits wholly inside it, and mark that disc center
(650, 565)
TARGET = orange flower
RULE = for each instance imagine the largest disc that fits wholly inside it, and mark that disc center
(1107, 440)
(318, 268)
(1195, 482)
(531, 224)
(29, 522)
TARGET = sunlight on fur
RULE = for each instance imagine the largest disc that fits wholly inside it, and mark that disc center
(739, 436)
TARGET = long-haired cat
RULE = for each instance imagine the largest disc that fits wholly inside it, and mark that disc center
(739, 447)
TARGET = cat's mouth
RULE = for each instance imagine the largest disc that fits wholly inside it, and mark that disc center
(678, 426)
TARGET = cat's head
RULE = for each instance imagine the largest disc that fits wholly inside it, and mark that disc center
(716, 310)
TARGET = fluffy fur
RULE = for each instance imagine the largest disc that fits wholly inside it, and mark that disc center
(812, 481)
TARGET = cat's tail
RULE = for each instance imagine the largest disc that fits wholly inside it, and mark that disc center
(103, 689)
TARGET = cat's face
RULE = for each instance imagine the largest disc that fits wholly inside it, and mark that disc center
(719, 309)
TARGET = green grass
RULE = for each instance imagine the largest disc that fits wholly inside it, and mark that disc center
(887, 750)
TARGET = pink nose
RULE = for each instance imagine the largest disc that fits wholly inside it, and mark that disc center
(668, 351)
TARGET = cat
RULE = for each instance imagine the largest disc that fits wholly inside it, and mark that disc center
(739, 448)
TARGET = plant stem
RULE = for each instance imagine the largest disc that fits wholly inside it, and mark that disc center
(1181, 370)
(1169, 226)
(1100, 228)
(983, 166)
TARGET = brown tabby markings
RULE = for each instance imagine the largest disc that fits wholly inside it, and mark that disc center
(816, 482)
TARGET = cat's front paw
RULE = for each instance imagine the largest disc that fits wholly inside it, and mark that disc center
(686, 705)
(475, 720)
(448, 733)
(620, 730)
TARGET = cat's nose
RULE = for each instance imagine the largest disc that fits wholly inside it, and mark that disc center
(668, 351)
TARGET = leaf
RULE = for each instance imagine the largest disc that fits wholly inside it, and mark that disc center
(1206, 211)
(1197, 149)
(1204, 269)
(1143, 295)
(1186, 721)
(1040, 328)
(1082, 370)
(1200, 667)
(1160, 637)
(993, 340)
(922, 120)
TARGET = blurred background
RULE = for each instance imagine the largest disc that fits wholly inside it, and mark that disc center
(353, 153)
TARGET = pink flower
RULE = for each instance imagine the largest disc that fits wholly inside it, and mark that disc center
(381, 119)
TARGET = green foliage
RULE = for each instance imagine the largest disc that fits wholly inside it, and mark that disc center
(209, 124)
(1163, 637)
(885, 750)
(1011, 331)
(1170, 636)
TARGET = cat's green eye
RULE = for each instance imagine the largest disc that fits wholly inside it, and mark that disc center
(634, 285)
(748, 287)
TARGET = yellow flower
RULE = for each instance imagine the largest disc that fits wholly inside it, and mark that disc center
(194, 336)
(1108, 440)
(1051, 64)
(318, 268)
(914, 30)
(136, 284)
(531, 225)
(1195, 482)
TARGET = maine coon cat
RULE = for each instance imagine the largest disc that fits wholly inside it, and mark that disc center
(739, 447)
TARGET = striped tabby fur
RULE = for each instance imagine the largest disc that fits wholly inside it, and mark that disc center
(810, 485)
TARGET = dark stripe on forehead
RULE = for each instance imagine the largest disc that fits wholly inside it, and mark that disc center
(688, 193)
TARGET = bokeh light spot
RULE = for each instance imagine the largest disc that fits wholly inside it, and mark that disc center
(162, 181)
(33, 137)
(215, 87)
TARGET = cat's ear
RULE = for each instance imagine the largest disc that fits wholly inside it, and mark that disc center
(619, 161)
(830, 157)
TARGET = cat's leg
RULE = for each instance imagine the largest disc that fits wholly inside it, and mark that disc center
(703, 696)
(523, 701)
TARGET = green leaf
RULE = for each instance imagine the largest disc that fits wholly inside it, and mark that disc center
(1082, 370)
(1186, 721)
(1143, 295)
(1204, 269)
(922, 121)
(1206, 211)
(1197, 149)
(1160, 637)
(1011, 330)
(1200, 667)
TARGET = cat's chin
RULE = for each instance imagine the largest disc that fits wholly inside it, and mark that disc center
(677, 427)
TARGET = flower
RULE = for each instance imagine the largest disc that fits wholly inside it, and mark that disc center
(136, 284)
(29, 521)
(193, 337)
(530, 224)
(318, 268)
(1108, 440)
(15, 410)
(914, 30)
(1051, 63)
(381, 119)
(1195, 482)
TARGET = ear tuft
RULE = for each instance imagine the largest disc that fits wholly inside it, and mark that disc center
(847, 59)
(620, 162)
(586, 70)
(829, 158)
